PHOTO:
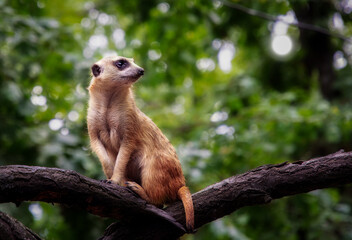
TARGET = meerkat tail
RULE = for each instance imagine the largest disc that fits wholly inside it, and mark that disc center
(185, 195)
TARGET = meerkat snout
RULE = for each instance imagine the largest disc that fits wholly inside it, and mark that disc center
(141, 72)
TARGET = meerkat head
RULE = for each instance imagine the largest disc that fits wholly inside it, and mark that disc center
(116, 71)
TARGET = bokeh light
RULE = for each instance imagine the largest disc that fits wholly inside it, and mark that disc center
(281, 45)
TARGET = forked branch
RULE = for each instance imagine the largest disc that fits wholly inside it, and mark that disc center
(144, 221)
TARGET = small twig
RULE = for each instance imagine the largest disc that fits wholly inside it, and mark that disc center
(269, 17)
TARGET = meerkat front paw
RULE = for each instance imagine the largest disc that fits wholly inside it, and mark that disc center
(108, 181)
(119, 181)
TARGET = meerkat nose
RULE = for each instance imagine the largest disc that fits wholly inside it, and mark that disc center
(141, 71)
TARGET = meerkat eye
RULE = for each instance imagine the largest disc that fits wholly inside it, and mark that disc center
(121, 64)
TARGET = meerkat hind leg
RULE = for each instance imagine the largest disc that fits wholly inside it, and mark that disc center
(138, 189)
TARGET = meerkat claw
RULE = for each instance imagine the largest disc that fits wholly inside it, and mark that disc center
(108, 181)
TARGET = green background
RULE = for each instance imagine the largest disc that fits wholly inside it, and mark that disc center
(266, 109)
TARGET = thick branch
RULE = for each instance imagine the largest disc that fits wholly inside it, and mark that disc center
(10, 228)
(263, 184)
(53, 185)
(259, 186)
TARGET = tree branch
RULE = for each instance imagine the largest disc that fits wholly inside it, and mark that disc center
(144, 221)
(265, 183)
(29, 183)
(13, 229)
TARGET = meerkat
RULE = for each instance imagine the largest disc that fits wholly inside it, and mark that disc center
(132, 150)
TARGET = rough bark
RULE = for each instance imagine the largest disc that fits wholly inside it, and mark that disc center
(265, 183)
(11, 229)
(143, 221)
(20, 183)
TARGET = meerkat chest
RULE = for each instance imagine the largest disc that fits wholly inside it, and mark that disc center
(112, 119)
(103, 119)
(107, 125)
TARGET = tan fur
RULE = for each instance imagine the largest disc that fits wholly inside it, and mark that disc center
(131, 148)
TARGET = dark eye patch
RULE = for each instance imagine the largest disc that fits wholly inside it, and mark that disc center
(121, 64)
(96, 70)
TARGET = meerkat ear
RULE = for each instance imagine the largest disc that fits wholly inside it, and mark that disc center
(96, 70)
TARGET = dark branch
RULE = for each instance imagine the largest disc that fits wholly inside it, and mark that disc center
(299, 24)
(259, 186)
(10, 228)
(29, 183)
(263, 184)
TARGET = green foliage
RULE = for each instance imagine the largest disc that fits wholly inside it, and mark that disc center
(223, 120)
